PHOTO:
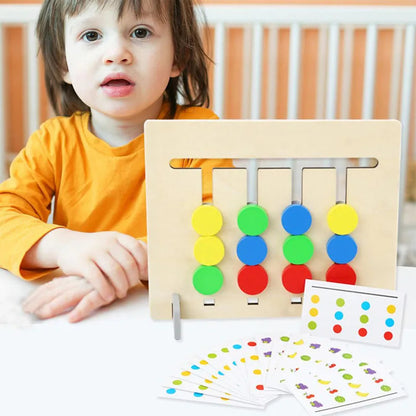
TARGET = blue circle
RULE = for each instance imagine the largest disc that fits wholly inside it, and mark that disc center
(196, 394)
(221, 373)
(195, 367)
(171, 391)
(251, 250)
(390, 322)
(365, 305)
(296, 219)
(237, 346)
(339, 315)
(341, 249)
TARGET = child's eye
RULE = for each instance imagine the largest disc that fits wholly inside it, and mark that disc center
(91, 36)
(141, 33)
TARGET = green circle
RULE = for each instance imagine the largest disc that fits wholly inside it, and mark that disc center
(177, 382)
(305, 357)
(340, 302)
(364, 319)
(347, 377)
(312, 325)
(298, 249)
(202, 387)
(284, 339)
(225, 349)
(347, 356)
(212, 355)
(340, 399)
(252, 219)
(385, 388)
(208, 280)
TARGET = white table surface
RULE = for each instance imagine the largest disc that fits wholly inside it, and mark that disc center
(114, 362)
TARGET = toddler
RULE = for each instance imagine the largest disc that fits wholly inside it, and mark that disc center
(110, 65)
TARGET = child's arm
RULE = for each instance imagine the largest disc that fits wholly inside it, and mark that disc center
(112, 262)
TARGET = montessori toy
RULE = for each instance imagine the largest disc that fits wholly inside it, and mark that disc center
(305, 200)
(325, 376)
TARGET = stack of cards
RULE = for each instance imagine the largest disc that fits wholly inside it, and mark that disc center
(325, 376)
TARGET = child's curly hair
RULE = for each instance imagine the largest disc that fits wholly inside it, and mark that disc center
(189, 55)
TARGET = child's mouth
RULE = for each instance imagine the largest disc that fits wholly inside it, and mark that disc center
(117, 88)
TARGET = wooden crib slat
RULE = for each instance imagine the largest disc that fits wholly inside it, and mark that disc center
(294, 71)
(332, 72)
(369, 71)
(256, 73)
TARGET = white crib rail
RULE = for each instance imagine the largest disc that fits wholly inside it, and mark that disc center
(254, 20)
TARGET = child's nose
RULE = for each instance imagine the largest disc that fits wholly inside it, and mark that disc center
(118, 52)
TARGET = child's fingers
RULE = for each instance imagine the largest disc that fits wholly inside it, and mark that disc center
(96, 277)
(115, 273)
(126, 260)
(63, 302)
(86, 306)
(138, 250)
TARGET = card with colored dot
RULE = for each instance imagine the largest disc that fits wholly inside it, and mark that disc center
(354, 313)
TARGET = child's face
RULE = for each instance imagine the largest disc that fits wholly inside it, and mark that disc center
(119, 67)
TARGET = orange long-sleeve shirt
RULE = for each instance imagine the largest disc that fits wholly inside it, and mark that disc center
(97, 187)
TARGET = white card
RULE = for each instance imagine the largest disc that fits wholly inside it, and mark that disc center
(354, 313)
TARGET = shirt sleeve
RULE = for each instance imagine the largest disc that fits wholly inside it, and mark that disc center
(25, 204)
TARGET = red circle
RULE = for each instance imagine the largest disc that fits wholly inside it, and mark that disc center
(252, 280)
(341, 273)
(294, 276)
(337, 329)
(251, 344)
(388, 336)
(362, 332)
(260, 387)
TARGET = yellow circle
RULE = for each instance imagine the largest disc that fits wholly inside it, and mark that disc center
(207, 220)
(227, 367)
(209, 251)
(243, 360)
(315, 299)
(257, 372)
(391, 309)
(342, 219)
(254, 357)
(186, 373)
(208, 381)
(313, 312)
(203, 362)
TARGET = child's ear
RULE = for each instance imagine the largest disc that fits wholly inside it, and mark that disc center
(175, 72)
(66, 77)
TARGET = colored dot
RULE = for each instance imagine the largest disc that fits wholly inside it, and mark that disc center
(312, 325)
(237, 346)
(315, 299)
(257, 371)
(207, 220)
(294, 277)
(224, 398)
(389, 322)
(305, 357)
(196, 394)
(337, 329)
(202, 387)
(339, 399)
(195, 367)
(339, 315)
(209, 251)
(251, 250)
(385, 388)
(252, 280)
(363, 319)
(251, 344)
(347, 356)
(391, 309)
(341, 249)
(254, 357)
(186, 373)
(227, 367)
(212, 355)
(296, 219)
(203, 362)
(362, 332)
(252, 219)
(177, 382)
(220, 373)
(260, 387)
(388, 336)
(341, 273)
(340, 302)
(298, 249)
(347, 376)
(313, 312)
(284, 339)
(208, 381)
(342, 219)
(171, 391)
(225, 349)
(208, 280)
(365, 306)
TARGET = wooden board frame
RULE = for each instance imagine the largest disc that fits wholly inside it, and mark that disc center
(173, 195)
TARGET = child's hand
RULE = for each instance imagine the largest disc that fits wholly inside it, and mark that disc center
(111, 261)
